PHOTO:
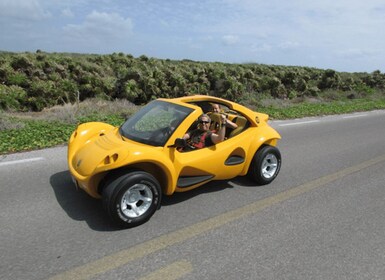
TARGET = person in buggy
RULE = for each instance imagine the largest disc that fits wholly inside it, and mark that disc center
(202, 136)
(216, 108)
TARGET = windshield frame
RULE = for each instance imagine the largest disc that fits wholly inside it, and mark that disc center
(154, 123)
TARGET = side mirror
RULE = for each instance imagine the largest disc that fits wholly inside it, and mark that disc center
(180, 143)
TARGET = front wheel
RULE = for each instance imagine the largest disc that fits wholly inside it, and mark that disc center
(265, 165)
(131, 199)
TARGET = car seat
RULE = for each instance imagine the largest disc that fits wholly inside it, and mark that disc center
(241, 122)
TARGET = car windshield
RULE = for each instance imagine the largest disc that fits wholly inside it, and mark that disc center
(154, 123)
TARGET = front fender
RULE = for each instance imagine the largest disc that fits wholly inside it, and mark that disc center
(158, 163)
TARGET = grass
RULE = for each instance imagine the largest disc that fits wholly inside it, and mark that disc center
(324, 108)
(52, 127)
(30, 131)
(34, 135)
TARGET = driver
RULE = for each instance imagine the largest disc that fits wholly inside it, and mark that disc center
(202, 136)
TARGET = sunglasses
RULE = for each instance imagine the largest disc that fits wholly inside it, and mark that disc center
(204, 122)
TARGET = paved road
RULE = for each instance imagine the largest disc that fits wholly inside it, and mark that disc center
(322, 218)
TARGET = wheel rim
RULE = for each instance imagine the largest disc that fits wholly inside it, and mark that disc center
(269, 166)
(136, 200)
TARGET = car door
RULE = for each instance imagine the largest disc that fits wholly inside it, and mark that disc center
(224, 160)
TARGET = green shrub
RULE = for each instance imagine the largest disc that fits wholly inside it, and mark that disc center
(312, 91)
(18, 79)
(363, 89)
(12, 98)
(21, 62)
(50, 79)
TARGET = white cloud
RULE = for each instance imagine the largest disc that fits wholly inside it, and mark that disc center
(288, 45)
(100, 26)
(230, 40)
(23, 9)
(258, 48)
(67, 13)
(164, 23)
(352, 53)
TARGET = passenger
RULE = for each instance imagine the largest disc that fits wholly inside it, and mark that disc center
(202, 136)
(215, 108)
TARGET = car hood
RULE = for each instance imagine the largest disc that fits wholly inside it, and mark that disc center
(101, 153)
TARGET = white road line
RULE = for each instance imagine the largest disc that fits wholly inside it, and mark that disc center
(355, 116)
(299, 123)
(21, 161)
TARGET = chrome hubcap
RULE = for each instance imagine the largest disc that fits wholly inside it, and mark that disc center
(136, 200)
(269, 166)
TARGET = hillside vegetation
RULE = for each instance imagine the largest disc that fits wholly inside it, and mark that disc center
(43, 96)
(34, 81)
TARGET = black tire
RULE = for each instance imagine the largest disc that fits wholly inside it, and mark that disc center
(131, 199)
(265, 165)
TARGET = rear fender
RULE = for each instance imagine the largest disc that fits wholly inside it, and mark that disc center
(269, 137)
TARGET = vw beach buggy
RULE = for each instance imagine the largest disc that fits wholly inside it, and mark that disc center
(130, 167)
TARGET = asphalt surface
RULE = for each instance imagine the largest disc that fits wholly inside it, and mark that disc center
(322, 218)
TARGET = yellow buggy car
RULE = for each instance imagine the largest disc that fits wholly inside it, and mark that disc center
(130, 167)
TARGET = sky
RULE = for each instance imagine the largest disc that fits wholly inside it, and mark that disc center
(344, 35)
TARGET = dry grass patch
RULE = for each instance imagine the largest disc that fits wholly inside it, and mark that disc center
(71, 113)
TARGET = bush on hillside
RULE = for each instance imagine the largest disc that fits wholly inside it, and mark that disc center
(34, 81)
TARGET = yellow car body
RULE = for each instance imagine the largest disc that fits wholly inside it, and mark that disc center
(146, 142)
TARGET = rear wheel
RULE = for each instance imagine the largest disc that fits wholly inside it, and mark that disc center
(265, 165)
(131, 199)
